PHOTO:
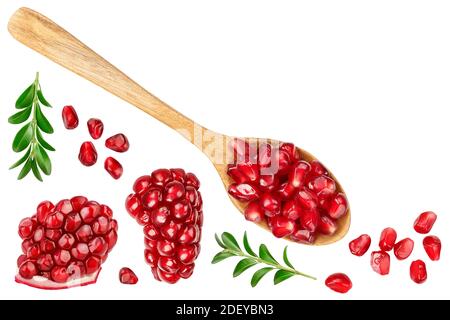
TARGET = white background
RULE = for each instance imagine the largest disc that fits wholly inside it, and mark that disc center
(363, 85)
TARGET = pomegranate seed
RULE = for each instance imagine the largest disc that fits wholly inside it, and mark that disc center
(270, 203)
(380, 262)
(33, 252)
(285, 191)
(80, 251)
(169, 265)
(160, 216)
(151, 232)
(309, 220)
(78, 202)
(92, 264)
(387, 239)
(72, 222)
(424, 223)
(418, 271)
(161, 177)
(192, 181)
(88, 154)
(186, 271)
(174, 191)
(403, 248)
(317, 169)
(43, 210)
(64, 206)
(254, 212)
(307, 199)
(178, 175)
(127, 276)
(144, 217)
(188, 235)
(98, 246)
(170, 232)
(47, 246)
(21, 259)
(360, 245)
(291, 150)
(323, 186)
(113, 167)
(28, 270)
(70, 117)
(326, 226)
(268, 183)
(244, 192)
(54, 221)
(53, 234)
(90, 212)
(338, 206)
(236, 175)
(142, 184)
(151, 258)
(61, 257)
(303, 236)
(282, 227)
(432, 245)
(84, 233)
(249, 170)
(101, 225)
(339, 282)
(170, 278)
(66, 241)
(165, 248)
(265, 155)
(298, 174)
(133, 205)
(291, 210)
(95, 127)
(186, 254)
(45, 262)
(118, 143)
(26, 228)
(181, 210)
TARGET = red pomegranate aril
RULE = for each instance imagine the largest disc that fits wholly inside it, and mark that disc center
(192, 181)
(144, 217)
(45, 262)
(339, 282)
(88, 154)
(188, 235)
(62, 257)
(113, 167)
(127, 276)
(84, 233)
(151, 257)
(70, 117)
(90, 212)
(33, 252)
(284, 162)
(249, 170)
(53, 234)
(161, 177)
(47, 246)
(268, 182)
(43, 210)
(142, 184)
(98, 246)
(307, 199)
(66, 241)
(309, 220)
(160, 216)
(178, 174)
(101, 225)
(286, 191)
(80, 251)
(254, 212)
(326, 226)
(95, 127)
(303, 236)
(281, 226)
(360, 245)
(26, 244)
(380, 262)
(54, 221)
(244, 192)
(265, 155)
(291, 210)
(118, 143)
(151, 232)
(26, 228)
(322, 185)
(64, 206)
(170, 232)
(404, 248)
(291, 150)
(174, 191)
(169, 265)
(38, 234)
(317, 169)
(270, 203)
(165, 248)
(186, 271)
(181, 210)
(92, 264)
(150, 244)
(28, 270)
(432, 246)
(338, 206)
(418, 271)
(235, 174)
(78, 203)
(186, 254)
(298, 174)
(133, 205)
(170, 278)
(424, 223)
(76, 270)
(387, 239)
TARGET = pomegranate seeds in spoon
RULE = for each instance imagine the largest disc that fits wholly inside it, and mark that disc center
(127, 276)
(70, 117)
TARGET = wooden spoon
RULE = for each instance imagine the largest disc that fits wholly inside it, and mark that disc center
(49, 39)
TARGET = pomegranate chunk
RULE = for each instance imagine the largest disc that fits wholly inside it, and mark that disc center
(66, 250)
(424, 223)
(95, 127)
(339, 282)
(360, 245)
(88, 154)
(387, 239)
(127, 276)
(380, 262)
(403, 248)
(118, 143)
(432, 245)
(418, 271)
(113, 167)
(172, 202)
(70, 117)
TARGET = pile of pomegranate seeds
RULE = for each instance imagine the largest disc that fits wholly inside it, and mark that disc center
(127, 276)
(64, 245)
(169, 205)
(88, 154)
(293, 197)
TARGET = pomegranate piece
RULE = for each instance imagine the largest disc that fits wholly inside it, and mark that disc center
(113, 167)
(172, 206)
(424, 223)
(70, 242)
(88, 154)
(418, 271)
(95, 127)
(118, 143)
(70, 117)
(380, 262)
(404, 248)
(432, 246)
(360, 245)
(387, 239)
(339, 282)
(127, 276)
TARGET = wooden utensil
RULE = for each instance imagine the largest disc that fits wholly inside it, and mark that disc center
(49, 39)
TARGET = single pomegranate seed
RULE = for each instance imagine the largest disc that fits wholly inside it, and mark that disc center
(432, 245)
(70, 117)
(380, 262)
(113, 167)
(90, 212)
(249, 170)
(236, 174)
(244, 192)
(26, 228)
(95, 127)
(101, 225)
(323, 186)
(72, 222)
(170, 278)
(309, 220)
(387, 239)
(78, 202)
(92, 264)
(270, 203)
(47, 246)
(43, 210)
(118, 143)
(291, 150)
(61, 257)
(403, 248)
(169, 265)
(28, 270)
(165, 248)
(133, 205)
(160, 216)
(339, 282)
(80, 251)
(161, 177)
(181, 209)
(59, 274)
(360, 245)
(338, 206)
(298, 174)
(424, 223)
(88, 154)
(265, 155)
(127, 276)
(187, 254)
(281, 226)
(303, 236)
(54, 221)
(142, 184)
(307, 199)
(170, 232)
(66, 241)
(291, 210)
(179, 175)
(254, 212)
(174, 191)
(188, 235)
(268, 183)
(45, 262)
(84, 233)
(285, 191)
(186, 271)
(317, 169)
(418, 271)
(326, 226)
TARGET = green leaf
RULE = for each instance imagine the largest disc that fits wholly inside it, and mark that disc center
(282, 275)
(222, 256)
(247, 246)
(265, 254)
(26, 98)
(21, 160)
(25, 170)
(23, 138)
(20, 116)
(43, 160)
(35, 170)
(259, 275)
(42, 142)
(42, 99)
(42, 121)
(230, 242)
(286, 259)
(243, 266)
(219, 242)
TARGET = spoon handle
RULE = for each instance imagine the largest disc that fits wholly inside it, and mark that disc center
(49, 39)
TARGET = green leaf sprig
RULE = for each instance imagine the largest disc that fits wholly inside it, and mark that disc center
(250, 259)
(30, 137)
